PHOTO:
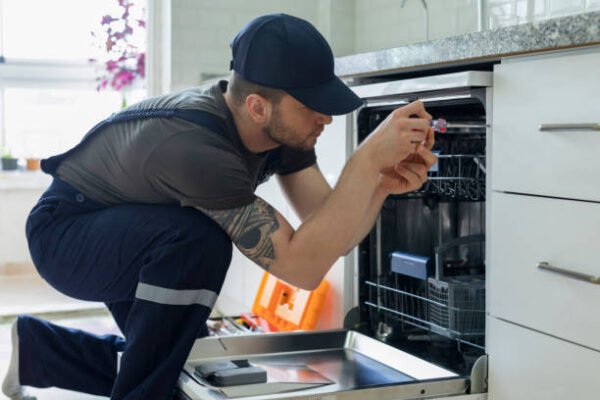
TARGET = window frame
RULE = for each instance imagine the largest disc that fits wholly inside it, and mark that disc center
(54, 74)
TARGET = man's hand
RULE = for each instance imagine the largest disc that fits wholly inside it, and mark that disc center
(395, 138)
(409, 174)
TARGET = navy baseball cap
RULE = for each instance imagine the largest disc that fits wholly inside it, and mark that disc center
(285, 52)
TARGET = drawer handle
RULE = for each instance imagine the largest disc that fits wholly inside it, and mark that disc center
(571, 274)
(570, 127)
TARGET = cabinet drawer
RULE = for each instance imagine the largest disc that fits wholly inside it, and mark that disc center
(526, 230)
(526, 365)
(556, 89)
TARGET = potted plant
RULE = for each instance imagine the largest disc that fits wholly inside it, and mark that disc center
(9, 163)
(32, 163)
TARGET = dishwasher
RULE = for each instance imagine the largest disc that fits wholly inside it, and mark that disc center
(416, 328)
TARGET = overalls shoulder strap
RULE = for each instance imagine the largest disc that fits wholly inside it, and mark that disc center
(203, 118)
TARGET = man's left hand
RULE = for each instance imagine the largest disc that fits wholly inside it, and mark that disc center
(411, 173)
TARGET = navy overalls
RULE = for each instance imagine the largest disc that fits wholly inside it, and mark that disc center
(158, 268)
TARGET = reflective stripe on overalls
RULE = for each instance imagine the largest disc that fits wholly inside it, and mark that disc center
(158, 268)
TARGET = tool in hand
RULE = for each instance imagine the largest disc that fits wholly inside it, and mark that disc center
(439, 125)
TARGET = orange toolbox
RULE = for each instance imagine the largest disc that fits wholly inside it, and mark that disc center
(288, 308)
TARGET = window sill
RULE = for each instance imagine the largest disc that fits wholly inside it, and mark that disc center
(23, 180)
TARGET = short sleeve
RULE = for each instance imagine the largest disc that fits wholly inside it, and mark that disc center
(293, 160)
(200, 170)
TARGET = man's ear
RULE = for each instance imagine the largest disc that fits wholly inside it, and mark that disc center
(258, 108)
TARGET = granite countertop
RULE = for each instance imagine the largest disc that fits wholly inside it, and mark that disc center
(489, 45)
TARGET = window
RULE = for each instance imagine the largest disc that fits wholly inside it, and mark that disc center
(48, 88)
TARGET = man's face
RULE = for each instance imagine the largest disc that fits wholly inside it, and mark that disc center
(294, 125)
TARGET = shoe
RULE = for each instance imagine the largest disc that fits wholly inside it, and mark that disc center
(11, 386)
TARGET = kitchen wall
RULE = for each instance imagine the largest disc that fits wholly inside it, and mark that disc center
(500, 13)
(204, 29)
(200, 30)
(18, 194)
(14, 208)
(392, 23)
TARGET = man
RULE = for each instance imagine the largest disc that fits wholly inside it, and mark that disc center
(142, 213)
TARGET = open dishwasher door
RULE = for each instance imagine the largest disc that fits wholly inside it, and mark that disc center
(342, 365)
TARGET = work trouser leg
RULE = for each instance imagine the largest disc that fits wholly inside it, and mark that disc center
(120, 311)
(168, 262)
(65, 357)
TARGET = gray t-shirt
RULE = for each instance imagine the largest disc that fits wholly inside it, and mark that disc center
(174, 161)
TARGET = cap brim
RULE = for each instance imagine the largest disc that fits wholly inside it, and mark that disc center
(331, 98)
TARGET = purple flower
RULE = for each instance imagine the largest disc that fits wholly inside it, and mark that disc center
(122, 78)
(102, 84)
(107, 19)
(125, 62)
(141, 65)
(111, 65)
(109, 45)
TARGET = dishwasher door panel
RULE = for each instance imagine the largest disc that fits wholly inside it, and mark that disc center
(356, 365)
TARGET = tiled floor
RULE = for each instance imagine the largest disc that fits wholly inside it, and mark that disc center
(31, 295)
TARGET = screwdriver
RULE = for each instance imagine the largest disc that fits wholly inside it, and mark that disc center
(441, 125)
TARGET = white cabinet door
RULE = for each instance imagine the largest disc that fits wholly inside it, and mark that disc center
(551, 89)
(526, 365)
(526, 230)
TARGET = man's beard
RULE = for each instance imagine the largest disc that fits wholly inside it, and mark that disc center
(283, 135)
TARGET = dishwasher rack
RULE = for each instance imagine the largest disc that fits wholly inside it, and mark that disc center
(450, 302)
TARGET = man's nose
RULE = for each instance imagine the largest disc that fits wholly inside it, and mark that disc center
(323, 119)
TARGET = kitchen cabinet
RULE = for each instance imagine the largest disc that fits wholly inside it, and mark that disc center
(526, 365)
(542, 331)
(527, 230)
(529, 95)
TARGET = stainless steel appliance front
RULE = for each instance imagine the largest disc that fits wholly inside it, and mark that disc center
(356, 365)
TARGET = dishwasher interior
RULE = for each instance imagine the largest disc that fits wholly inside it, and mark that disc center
(421, 270)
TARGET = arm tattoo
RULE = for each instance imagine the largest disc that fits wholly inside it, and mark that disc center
(250, 228)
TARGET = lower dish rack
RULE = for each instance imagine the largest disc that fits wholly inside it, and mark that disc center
(451, 306)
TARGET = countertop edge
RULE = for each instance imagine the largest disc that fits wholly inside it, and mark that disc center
(548, 35)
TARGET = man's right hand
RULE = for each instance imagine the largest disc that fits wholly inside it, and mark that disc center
(398, 135)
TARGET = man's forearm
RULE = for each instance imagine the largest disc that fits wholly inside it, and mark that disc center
(331, 230)
(377, 200)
